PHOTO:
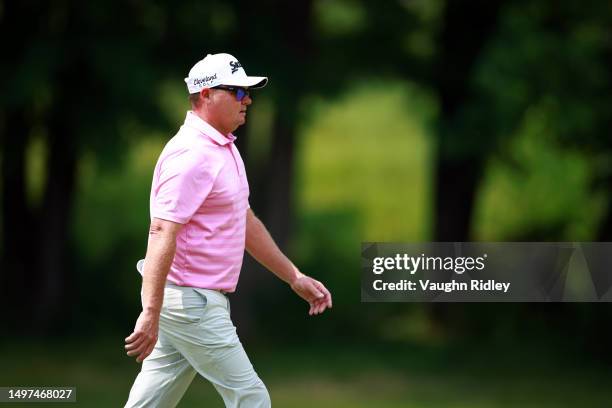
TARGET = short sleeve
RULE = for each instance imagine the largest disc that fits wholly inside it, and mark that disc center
(181, 184)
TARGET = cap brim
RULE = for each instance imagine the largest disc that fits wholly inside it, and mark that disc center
(252, 82)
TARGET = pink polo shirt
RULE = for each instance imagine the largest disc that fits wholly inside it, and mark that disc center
(200, 181)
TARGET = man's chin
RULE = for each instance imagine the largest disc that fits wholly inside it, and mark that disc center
(240, 123)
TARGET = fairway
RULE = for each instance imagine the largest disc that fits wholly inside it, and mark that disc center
(355, 376)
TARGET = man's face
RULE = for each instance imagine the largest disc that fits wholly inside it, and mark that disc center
(226, 111)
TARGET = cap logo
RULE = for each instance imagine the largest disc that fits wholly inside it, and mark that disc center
(205, 80)
(235, 65)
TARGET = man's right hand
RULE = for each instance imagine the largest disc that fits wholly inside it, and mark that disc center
(160, 252)
(142, 340)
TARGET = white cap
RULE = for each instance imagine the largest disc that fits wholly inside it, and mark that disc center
(220, 69)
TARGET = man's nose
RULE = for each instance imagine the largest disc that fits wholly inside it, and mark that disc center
(247, 100)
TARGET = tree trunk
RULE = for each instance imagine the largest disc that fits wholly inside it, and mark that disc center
(19, 244)
(467, 26)
(605, 228)
(271, 186)
(54, 303)
(295, 23)
(279, 208)
(456, 187)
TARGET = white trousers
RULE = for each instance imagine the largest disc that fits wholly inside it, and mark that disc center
(196, 335)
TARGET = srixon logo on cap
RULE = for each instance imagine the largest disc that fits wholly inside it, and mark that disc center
(235, 65)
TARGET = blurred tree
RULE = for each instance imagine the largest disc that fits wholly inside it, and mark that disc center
(438, 45)
(287, 29)
(464, 136)
(577, 85)
(79, 72)
(552, 58)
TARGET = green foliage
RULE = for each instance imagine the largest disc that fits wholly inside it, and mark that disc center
(539, 190)
(114, 205)
(338, 17)
(36, 156)
(557, 54)
(109, 233)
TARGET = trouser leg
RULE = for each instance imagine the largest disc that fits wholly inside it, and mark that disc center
(213, 349)
(229, 369)
(163, 379)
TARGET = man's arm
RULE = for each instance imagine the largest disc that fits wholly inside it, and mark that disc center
(262, 247)
(160, 253)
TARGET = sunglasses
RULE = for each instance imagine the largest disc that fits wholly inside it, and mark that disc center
(240, 92)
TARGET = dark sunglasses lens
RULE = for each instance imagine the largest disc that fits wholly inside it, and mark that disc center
(241, 93)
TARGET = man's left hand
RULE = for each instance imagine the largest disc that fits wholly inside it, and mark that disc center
(314, 292)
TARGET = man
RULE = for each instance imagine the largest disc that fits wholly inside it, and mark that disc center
(201, 224)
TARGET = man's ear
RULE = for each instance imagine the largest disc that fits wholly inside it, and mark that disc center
(205, 94)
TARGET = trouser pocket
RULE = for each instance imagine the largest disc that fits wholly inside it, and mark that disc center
(183, 305)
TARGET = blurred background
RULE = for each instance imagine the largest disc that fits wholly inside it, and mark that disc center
(409, 120)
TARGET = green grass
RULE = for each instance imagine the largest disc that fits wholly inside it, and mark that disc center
(370, 152)
(335, 376)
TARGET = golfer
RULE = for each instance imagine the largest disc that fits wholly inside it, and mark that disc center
(201, 224)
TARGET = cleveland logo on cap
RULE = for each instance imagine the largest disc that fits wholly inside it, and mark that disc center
(205, 80)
